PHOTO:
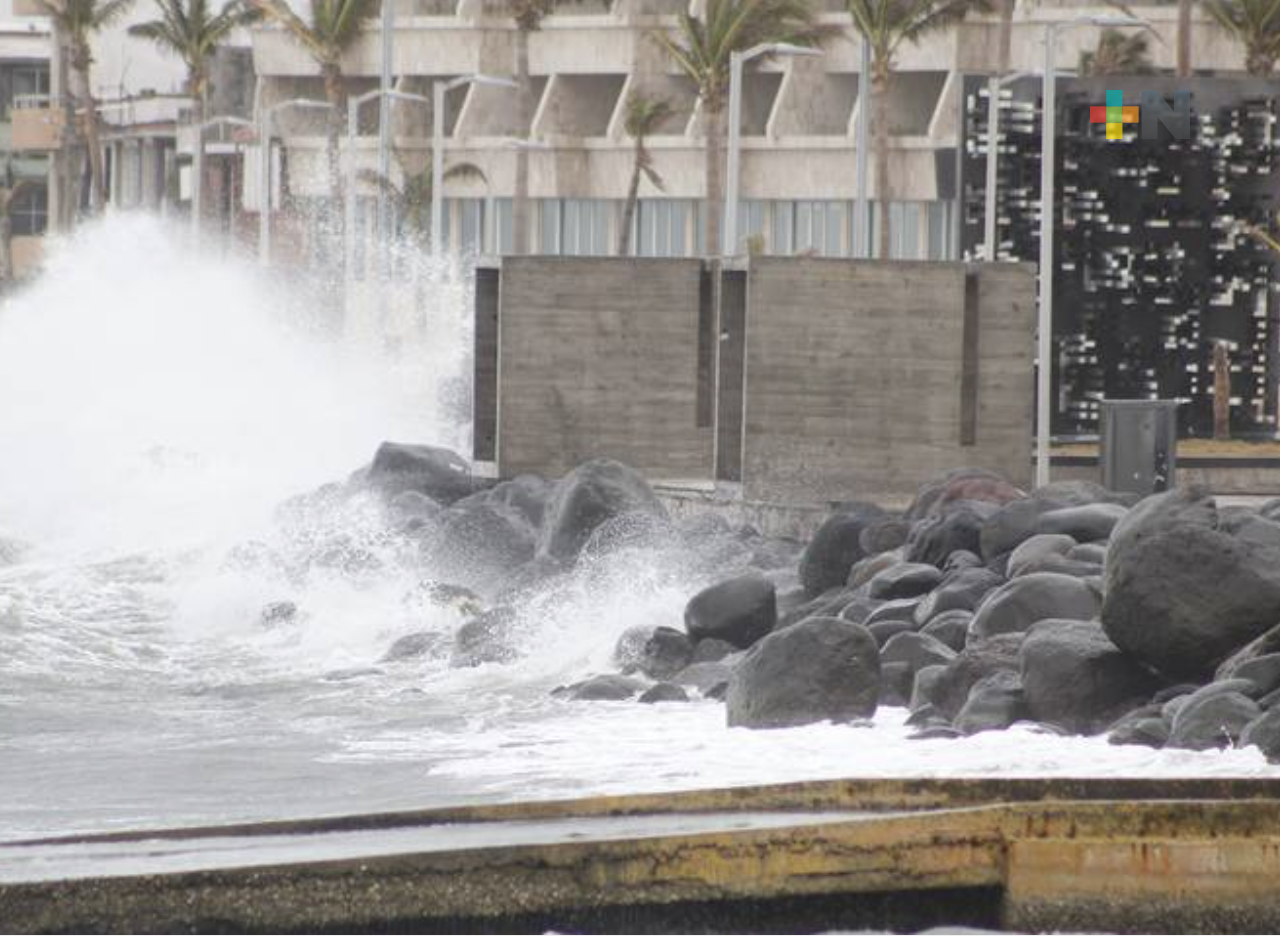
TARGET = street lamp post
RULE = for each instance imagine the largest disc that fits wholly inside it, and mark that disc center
(197, 167)
(729, 234)
(264, 170)
(386, 97)
(439, 92)
(862, 207)
(1048, 139)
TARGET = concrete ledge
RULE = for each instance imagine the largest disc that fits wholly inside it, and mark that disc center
(1195, 855)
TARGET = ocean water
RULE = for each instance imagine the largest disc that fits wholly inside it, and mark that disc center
(157, 406)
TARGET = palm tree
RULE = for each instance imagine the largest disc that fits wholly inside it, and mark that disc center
(644, 116)
(190, 30)
(9, 193)
(411, 198)
(330, 30)
(78, 21)
(886, 25)
(701, 48)
(1255, 24)
(1117, 54)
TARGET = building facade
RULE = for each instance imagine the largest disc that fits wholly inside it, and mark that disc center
(799, 118)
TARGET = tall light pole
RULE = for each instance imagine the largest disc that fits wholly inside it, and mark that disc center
(862, 207)
(387, 29)
(1048, 139)
(386, 98)
(439, 94)
(197, 168)
(264, 170)
(729, 235)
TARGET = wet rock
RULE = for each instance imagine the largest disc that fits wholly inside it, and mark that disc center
(950, 628)
(1036, 549)
(816, 670)
(975, 662)
(941, 732)
(607, 688)
(415, 646)
(486, 638)
(1074, 676)
(1085, 523)
(883, 535)
(896, 683)
(925, 715)
(1009, 527)
(933, 540)
(1214, 721)
(904, 580)
(634, 530)
(867, 568)
(925, 689)
(1182, 595)
(835, 547)
(413, 505)
(917, 651)
(995, 702)
(856, 611)
(1146, 730)
(525, 495)
(1091, 553)
(477, 547)
(961, 591)
(900, 609)
(440, 474)
(591, 494)
(1079, 493)
(1263, 672)
(663, 692)
(629, 649)
(1017, 605)
(884, 631)
(665, 653)
(739, 611)
(1264, 734)
(1265, 645)
(711, 650)
(962, 486)
(703, 676)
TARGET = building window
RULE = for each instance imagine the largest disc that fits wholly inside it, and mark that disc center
(29, 213)
(664, 226)
(941, 231)
(502, 236)
(750, 223)
(19, 81)
(575, 227)
(816, 227)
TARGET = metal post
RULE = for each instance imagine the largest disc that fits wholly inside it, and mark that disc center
(197, 184)
(1044, 356)
(729, 233)
(264, 190)
(384, 123)
(862, 207)
(437, 167)
(989, 246)
(349, 226)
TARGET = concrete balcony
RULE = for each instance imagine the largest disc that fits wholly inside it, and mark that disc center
(37, 127)
(424, 46)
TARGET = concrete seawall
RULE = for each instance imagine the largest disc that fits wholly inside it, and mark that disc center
(1121, 855)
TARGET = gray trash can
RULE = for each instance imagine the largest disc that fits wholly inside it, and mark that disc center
(1139, 451)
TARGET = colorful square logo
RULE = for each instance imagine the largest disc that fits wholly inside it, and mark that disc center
(1115, 114)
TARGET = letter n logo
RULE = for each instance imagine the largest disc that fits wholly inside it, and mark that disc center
(1156, 112)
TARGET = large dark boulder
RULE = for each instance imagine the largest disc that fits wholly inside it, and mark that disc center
(740, 610)
(1264, 734)
(904, 580)
(1010, 526)
(962, 590)
(995, 702)
(440, 474)
(950, 628)
(1035, 550)
(1086, 523)
(488, 637)
(934, 539)
(883, 534)
(1182, 594)
(817, 670)
(1212, 721)
(1020, 603)
(415, 646)
(478, 547)
(916, 650)
(975, 662)
(665, 653)
(591, 494)
(1075, 677)
(607, 688)
(960, 486)
(835, 547)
